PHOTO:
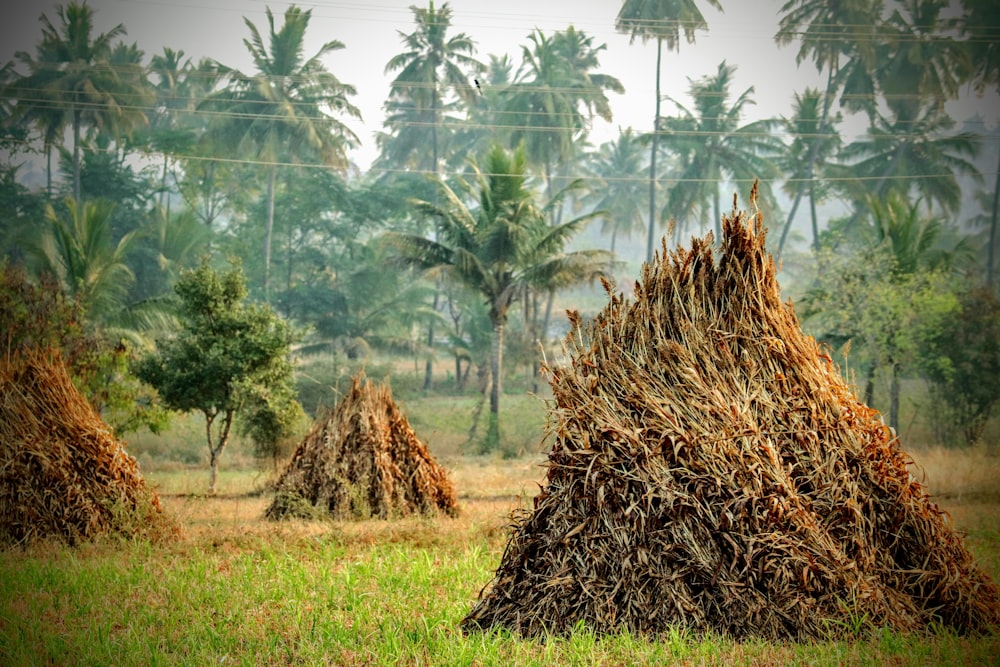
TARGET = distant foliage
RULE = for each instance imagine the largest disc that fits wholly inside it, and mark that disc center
(39, 315)
(962, 364)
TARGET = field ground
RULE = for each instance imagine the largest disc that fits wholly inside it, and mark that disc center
(236, 589)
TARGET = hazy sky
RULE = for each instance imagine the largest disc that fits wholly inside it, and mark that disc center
(743, 35)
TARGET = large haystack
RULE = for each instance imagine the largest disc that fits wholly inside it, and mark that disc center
(63, 474)
(711, 469)
(362, 459)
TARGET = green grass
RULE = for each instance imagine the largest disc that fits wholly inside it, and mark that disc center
(234, 589)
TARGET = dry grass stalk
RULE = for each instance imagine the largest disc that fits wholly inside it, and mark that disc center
(63, 474)
(362, 459)
(710, 468)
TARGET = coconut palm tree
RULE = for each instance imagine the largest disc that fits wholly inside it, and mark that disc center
(555, 94)
(76, 73)
(712, 146)
(613, 185)
(813, 144)
(498, 247)
(284, 112)
(77, 249)
(662, 20)
(980, 19)
(911, 153)
(435, 71)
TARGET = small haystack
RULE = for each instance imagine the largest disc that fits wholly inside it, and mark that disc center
(362, 459)
(63, 473)
(711, 469)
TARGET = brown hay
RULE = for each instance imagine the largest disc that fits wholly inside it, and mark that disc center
(362, 459)
(710, 468)
(63, 474)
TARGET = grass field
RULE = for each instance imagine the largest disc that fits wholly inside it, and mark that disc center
(235, 589)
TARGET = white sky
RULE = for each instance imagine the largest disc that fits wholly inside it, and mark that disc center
(743, 35)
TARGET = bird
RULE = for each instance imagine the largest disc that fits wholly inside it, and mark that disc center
(476, 81)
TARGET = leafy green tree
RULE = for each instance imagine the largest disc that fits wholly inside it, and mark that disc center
(712, 145)
(284, 112)
(961, 360)
(614, 190)
(92, 83)
(663, 21)
(229, 359)
(891, 291)
(497, 248)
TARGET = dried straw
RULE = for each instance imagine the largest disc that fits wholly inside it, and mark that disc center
(63, 474)
(710, 468)
(362, 459)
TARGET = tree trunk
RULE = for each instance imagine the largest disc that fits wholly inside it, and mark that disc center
(652, 159)
(812, 215)
(991, 245)
(870, 384)
(496, 382)
(717, 208)
(894, 396)
(215, 451)
(788, 222)
(271, 177)
(76, 156)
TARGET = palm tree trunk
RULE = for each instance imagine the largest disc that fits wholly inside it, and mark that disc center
(788, 222)
(717, 209)
(429, 361)
(652, 158)
(812, 214)
(271, 177)
(76, 155)
(496, 383)
(991, 246)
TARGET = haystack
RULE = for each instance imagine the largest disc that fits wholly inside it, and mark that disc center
(711, 469)
(362, 459)
(63, 474)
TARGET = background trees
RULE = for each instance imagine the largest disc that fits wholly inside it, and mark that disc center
(663, 21)
(498, 248)
(283, 113)
(173, 157)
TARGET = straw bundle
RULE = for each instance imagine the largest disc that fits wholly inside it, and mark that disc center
(362, 459)
(711, 469)
(63, 473)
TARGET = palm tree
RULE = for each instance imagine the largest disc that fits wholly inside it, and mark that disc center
(555, 93)
(813, 144)
(171, 131)
(78, 251)
(923, 63)
(980, 19)
(841, 39)
(434, 68)
(712, 145)
(435, 78)
(283, 112)
(614, 189)
(663, 21)
(74, 71)
(497, 248)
